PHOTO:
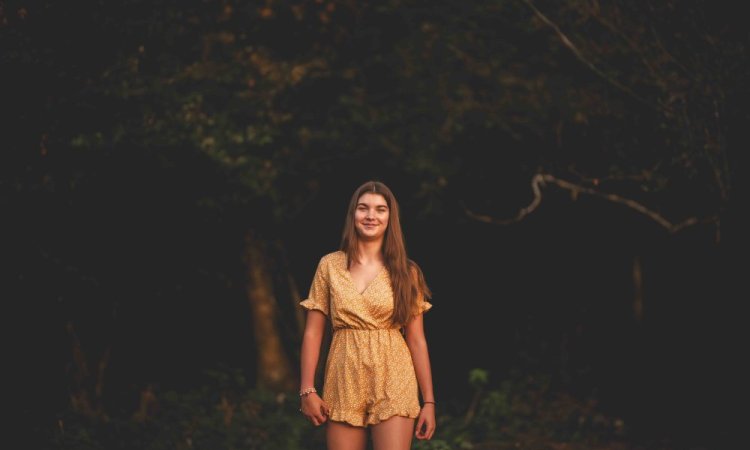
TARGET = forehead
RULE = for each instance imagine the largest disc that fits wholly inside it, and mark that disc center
(372, 199)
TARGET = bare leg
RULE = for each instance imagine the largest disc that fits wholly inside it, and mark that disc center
(393, 434)
(342, 436)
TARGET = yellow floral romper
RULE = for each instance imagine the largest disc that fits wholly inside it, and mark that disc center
(369, 374)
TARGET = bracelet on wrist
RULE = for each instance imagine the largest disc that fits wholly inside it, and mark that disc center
(309, 390)
(428, 402)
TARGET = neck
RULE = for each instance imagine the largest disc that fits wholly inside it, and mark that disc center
(370, 251)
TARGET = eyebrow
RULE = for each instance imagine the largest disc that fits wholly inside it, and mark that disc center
(377, 206)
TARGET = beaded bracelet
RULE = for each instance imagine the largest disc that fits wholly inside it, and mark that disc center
(309, 390)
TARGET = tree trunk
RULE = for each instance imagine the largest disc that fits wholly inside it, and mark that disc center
(274, 369)
(294, 293)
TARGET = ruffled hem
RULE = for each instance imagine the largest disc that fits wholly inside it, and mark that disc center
(373, 418)
(376, 418)
(343, 416)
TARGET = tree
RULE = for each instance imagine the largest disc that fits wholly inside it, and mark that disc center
(251, 108)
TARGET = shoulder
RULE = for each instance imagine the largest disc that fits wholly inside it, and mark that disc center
(338, 255)
(414, 269)
(331, 259)
(418, 276)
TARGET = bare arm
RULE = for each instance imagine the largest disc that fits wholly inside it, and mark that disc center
(312, 405)
(311, 341)
(417, 343)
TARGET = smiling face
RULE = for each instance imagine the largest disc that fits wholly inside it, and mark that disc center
(371, 216)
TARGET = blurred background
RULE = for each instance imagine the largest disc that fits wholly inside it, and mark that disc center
(172, 171)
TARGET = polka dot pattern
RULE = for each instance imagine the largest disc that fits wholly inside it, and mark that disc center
(369, 374)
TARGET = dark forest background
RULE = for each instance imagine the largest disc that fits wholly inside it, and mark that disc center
(172, 171)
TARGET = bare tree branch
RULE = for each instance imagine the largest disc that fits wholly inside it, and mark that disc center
(540, 180)
(579, 55)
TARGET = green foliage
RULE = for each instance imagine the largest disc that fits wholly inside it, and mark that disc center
(432, 444)
(224, 413)
(478, 378)
(525, 410)
(522, 410)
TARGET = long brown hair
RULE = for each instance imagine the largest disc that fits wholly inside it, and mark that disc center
(407, 279)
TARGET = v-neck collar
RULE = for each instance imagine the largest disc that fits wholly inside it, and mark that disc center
(354, 284)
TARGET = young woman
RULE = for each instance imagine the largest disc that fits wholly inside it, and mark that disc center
(378, 360)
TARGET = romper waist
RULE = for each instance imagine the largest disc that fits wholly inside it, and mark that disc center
(366, 330)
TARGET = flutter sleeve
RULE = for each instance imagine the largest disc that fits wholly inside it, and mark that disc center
(318, 296)
(422, 304)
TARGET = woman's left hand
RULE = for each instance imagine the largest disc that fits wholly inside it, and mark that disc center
(426, 422)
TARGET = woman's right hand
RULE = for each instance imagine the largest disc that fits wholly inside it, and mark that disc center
(315, 409)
